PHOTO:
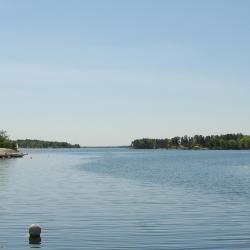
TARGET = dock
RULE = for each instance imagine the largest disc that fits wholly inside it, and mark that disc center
(10, 153)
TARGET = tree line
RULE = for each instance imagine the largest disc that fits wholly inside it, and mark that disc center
(29, 143)
(6, 142)
(227, 141)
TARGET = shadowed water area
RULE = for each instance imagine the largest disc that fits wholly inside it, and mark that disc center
(126, 199)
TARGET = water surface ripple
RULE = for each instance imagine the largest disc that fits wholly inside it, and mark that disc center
(126, 199)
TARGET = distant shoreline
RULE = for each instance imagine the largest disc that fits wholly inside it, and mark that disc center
(105, 146)
(197, 142)
(129, 147)
(34, 143)
(75, 147)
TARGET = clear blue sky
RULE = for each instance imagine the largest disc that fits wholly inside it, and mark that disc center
(107, 72)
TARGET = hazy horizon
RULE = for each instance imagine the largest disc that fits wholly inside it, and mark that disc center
(103, 73)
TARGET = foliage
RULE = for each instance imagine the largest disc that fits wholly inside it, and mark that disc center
(28, 143)
(5, 141)
(245, 142)
(227, 141)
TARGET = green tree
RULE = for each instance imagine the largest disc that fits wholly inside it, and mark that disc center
(5, 141)
(232, 144)
(245, 142)
(175, 141)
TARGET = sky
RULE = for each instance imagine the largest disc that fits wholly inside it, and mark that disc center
(107, 72)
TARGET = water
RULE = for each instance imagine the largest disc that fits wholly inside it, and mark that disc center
(127, 199)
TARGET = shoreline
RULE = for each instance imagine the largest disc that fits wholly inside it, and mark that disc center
(10, 153)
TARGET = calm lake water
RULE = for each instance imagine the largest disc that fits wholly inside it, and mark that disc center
(126, 199)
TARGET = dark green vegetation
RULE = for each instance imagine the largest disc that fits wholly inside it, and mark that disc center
(28, 143)
(5, 141)
(228, 141)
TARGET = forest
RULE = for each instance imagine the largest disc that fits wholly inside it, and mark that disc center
(29, 143)
(6, 142)
(219, 142)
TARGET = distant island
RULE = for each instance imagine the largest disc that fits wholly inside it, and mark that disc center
(30, 143)
(7, 143)
(218, 142)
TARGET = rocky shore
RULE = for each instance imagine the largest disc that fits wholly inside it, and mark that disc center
(10, 153)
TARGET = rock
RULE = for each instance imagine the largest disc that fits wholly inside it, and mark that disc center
(9, 153)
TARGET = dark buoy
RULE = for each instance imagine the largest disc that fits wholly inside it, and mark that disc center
(35, 234)
(35, 230)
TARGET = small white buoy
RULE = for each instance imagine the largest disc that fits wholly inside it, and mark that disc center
(35, 230)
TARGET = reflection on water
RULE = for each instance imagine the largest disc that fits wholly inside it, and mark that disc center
(35, 242)
(126, 199)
